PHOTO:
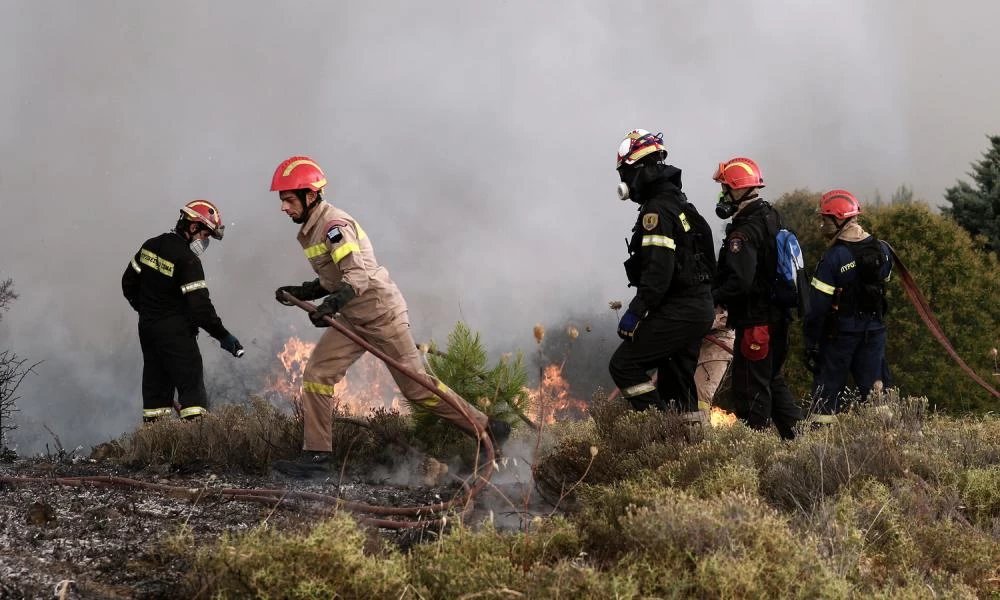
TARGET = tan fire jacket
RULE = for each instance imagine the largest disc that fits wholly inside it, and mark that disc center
(339, 251)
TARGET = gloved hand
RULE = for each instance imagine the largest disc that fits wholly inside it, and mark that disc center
(332, 305)
(810, 357)
(628, 324)
(232, 345)
(295, 290)
(328, 308)
(309, 290)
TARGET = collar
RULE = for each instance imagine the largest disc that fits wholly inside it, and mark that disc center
(315, 218)
(852, 232)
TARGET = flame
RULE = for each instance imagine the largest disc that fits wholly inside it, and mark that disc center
(551, 400)
(721, 418)
(367, 385)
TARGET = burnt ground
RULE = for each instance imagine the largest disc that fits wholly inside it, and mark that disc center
(98, 542)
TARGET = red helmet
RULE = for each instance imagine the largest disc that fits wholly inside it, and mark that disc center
(296, 173)
(839, 204)
(206, 213)
(638, 144)
(739, 173)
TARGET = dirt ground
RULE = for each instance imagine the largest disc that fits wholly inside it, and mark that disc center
(96, 542)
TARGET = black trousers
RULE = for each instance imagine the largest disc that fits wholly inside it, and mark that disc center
(671, 348)
(171, 362)
(759, 392)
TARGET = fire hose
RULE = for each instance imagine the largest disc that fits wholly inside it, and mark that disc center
(276, 496)
(923, 307)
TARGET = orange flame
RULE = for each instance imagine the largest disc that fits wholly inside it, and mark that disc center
(721, 418)
(551, 400)
(367, 385)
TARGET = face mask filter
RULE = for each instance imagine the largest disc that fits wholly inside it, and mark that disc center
(199, 246)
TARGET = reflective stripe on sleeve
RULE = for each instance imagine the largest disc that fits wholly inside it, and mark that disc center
(635, 390)
(135, 266)
(361, 232)
(341, 251)
(160, 264)
(317, 388)
(193, 411)
(659, 240)
(315, 250)
(823, 287)
(194, 285)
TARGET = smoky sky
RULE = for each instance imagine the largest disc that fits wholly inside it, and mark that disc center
(474, 141)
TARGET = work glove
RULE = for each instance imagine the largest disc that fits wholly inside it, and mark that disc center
(628, 324)
(332, 305)
(232, 345)
(309, 290)
(810, 358)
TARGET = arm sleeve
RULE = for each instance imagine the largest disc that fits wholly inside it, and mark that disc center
(191, 278)
(822, 288)
(130, 282)
(887, 269)
(344, 241)
(658, 257)
(741, 259)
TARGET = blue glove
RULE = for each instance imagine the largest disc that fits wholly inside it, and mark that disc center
(232, 345)
(628, 325)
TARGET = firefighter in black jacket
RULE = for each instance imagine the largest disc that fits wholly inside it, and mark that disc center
(743, 285)
(671, 263)
(165, 283)
(844, 330)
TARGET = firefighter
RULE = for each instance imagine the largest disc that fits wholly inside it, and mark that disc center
(713, 360)
(360, 292)
(844, 330)
(671, 263)
(165, 283)
(743, 285)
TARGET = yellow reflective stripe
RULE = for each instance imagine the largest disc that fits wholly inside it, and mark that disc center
(160, 264)
(193, 411)
(194, 285)
(659, 240)
(702, 405)
(343, 250)
(825, 419)
(684, 222)
(635, 390)
(314, 251)
(361, 232)
(152, 413)
(823, 287)
(317, 388)
(135, 266)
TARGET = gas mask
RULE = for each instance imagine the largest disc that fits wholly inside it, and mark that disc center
(628, 189)
(724, 208)
(199, 246)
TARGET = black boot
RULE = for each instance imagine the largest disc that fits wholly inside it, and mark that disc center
(307, 464)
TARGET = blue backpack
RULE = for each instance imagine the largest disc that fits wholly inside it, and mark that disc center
(789, 290)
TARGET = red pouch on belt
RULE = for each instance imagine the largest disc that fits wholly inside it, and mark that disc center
(756, 342)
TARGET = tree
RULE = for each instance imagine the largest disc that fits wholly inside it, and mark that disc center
(976, 206)
(12, 372)
(960, 280)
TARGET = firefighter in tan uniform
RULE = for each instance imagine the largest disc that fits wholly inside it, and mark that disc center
(713, 360)
(357, 288)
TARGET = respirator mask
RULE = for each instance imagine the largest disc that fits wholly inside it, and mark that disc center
(199, 246)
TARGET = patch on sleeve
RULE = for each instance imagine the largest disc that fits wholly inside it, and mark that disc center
(334, 234)
(735, 244)
(650, 221)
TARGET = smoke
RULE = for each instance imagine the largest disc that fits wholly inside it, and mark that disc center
(473, 141)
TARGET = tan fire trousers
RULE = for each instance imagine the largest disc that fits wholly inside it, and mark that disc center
(712, 364)
(329, 362)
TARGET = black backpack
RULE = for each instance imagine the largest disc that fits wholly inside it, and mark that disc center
(865, 295)
(695, 261)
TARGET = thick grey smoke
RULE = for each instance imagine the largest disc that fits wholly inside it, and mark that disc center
(474, 141)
